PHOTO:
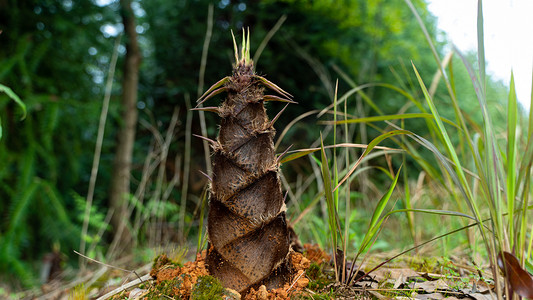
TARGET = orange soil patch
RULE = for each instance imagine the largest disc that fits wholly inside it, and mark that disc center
(165, 271)
(315, 254)
(187, 275)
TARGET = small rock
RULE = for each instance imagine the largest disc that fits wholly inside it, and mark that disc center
(231, 295)
(137, 293)
(262, 293)
(302, 283)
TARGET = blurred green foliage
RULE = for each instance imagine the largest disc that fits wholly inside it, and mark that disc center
(55, 55)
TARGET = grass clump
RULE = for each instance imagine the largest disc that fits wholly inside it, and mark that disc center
(79, 293)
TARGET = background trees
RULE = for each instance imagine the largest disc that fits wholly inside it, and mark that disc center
(55, 55)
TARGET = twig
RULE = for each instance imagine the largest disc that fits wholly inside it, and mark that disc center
(203, 63)
(295, 281)
(267, 38)
(109, 266)
(161, 174)
(98, 146)
(126, 286)
(186, 167)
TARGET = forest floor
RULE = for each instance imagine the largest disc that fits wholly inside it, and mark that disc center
(313, 278)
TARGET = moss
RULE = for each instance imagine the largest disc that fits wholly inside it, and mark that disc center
(164, 289)
(208, 287)
(318, 278)
(314, 271)
(427, 265)
(159, 261)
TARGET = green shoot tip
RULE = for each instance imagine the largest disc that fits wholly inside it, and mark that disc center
(244, 57)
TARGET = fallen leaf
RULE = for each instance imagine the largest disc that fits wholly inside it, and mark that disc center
(479, 296)
(518, 278)
(477, 286)
(394, 273)
(399, 281)
(378, 295)
(432, 296)
(432, 286)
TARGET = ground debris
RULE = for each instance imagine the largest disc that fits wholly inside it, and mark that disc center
(312, 276)
(407, 283)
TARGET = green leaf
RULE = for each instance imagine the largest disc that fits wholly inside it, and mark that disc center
(369, 148)
(15, 98)
(530, 121)
(393, 117)
(303, 152)
(512, 112)
(376, 221)
(330, 201)
(481, 46)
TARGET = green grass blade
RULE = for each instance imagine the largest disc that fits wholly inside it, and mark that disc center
(369, 148)
(481, 46)
(335, 169)
(407, 203)
(347, 202)
(426, 34)
(439, 212)
(355, 89)
(392, 117)
(201, 235)
(376, 220)
(360, 90)
(9, 92)
(449, 87)
(530, 243)
(530, 123)
(512, 123)
(295, 154)
(522, 247)
(463, 183)
(330, 201)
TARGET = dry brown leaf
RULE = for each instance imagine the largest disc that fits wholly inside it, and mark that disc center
(431, 286)
(479, 296)
(399, 281)
(518, 278)
(432, 296)
(384, 273)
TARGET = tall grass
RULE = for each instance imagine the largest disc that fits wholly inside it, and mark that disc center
(494, 186)
(477, 165)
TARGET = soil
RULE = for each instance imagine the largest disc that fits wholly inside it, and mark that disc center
(192, 280)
